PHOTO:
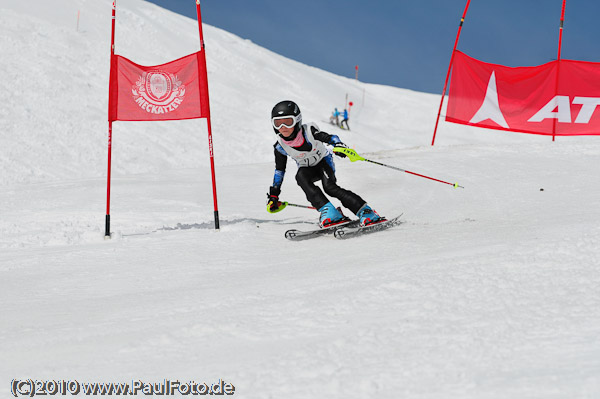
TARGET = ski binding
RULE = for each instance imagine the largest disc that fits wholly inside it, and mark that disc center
(300, 235)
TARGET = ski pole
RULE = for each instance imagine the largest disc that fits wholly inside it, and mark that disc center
(353, 156)
(299, 206)
(283, 204)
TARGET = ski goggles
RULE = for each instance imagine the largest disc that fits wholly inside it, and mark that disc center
(287, 121)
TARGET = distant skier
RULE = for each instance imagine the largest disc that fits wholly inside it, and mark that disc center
(345, 120)
(335, 116)
(306, 145)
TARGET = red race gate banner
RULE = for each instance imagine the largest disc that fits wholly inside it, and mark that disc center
(558, 98)
(171, 91)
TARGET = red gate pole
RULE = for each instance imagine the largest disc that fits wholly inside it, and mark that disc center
(210, 139)
(112, 55)
(562, 21)
(449, 68)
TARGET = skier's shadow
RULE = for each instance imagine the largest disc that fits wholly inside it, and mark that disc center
(211, 225)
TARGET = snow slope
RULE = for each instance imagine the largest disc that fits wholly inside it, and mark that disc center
(486, 292)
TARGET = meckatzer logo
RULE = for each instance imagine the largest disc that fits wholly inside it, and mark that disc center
(158, 92)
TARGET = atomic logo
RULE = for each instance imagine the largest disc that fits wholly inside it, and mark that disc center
(158, 92)
(490, 109)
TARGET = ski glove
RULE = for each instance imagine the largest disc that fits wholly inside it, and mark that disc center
(340, 145)
(273, 202)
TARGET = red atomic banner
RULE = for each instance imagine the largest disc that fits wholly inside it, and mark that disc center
(558, 98)
(175, 90)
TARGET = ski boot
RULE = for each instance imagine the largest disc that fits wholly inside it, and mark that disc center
(367, 215)
(330, 215)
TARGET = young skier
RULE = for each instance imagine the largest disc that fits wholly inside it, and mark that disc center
(335, 116)
(306, 145)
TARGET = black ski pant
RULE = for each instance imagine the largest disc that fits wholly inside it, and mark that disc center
(323, 171)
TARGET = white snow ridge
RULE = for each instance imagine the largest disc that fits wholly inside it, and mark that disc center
(491, 291)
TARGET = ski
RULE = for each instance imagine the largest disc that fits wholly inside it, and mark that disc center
(354, 231)
(300, 235)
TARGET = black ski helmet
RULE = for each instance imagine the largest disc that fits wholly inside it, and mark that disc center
(287, 108)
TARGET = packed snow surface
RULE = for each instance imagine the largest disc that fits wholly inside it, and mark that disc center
(490, 291)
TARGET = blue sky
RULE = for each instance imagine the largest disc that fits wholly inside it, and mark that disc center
(404, 43)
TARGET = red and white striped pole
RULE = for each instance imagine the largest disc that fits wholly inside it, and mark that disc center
(112, 56)
(562, 21)
(210, 139)
(462, 20)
